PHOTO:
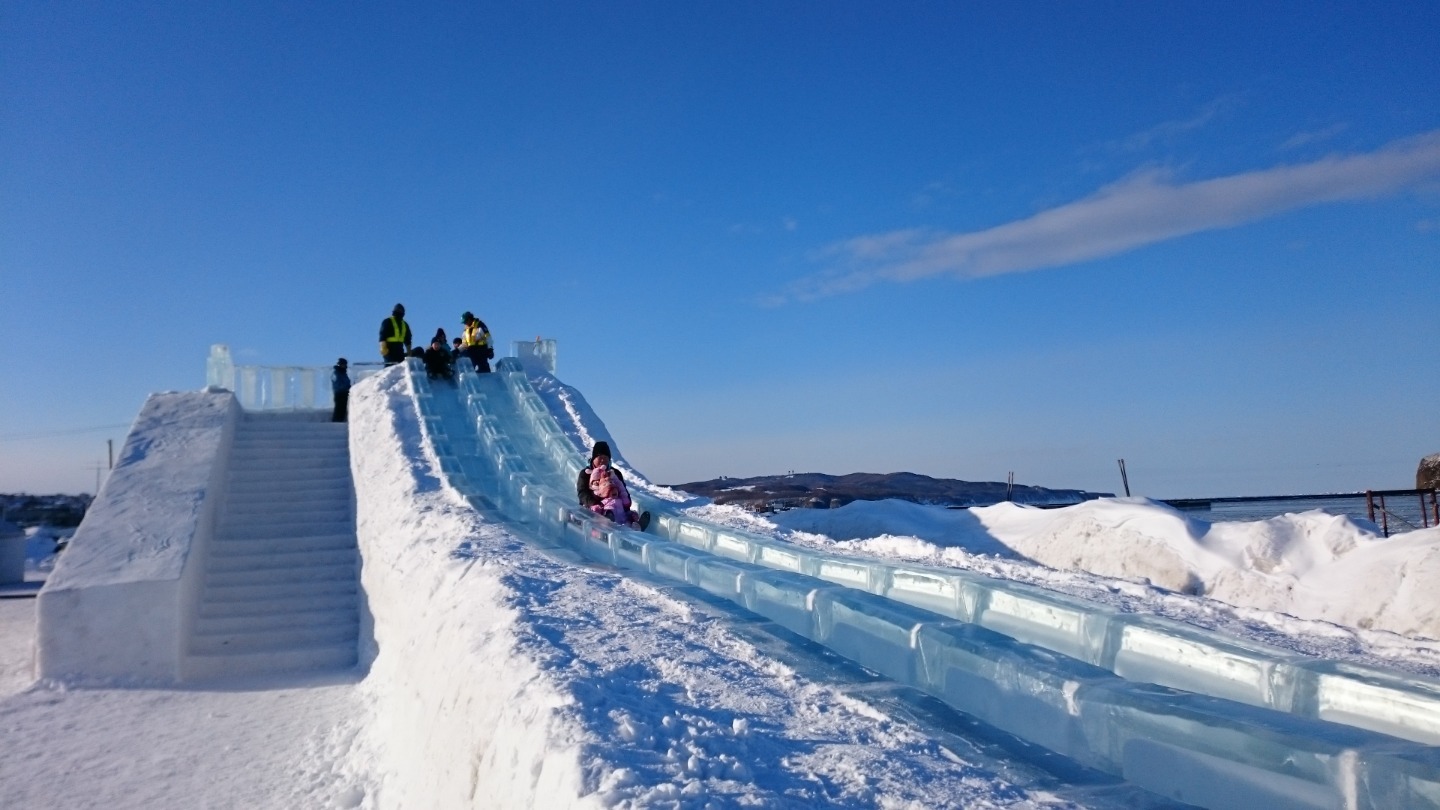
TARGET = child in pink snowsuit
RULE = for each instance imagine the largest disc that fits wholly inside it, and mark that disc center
(614, 502)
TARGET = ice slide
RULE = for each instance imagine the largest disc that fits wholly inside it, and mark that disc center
(1185, 713)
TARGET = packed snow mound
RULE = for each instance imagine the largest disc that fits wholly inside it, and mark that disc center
(1310, 565)
(892, 522)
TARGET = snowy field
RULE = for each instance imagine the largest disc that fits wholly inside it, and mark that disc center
(501, 675)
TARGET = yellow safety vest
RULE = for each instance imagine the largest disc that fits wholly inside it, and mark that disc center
(474, 336)
(399, 331)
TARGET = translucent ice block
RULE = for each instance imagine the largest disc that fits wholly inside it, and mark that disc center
(720, 577)
(1182, 657)
(783, 597)
(1391, 703)
(630, 548)
(782, 557)
(937, 591)
(693, 534)
(1217, 753)
(1027, 691)
(1046, 619)
(876, 632)
(733, 545)
(849, 572)
(670, 560)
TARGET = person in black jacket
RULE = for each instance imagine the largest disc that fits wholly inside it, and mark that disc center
(340, 384)
(395, 336)
(600, 455)
(439, 362)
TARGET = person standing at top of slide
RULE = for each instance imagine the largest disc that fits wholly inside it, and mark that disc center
(476, 342)
(395, 336)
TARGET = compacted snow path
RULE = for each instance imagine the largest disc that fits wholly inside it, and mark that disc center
(262, 747)
(254, 744)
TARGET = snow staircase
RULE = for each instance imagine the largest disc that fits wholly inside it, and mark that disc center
(281, 581)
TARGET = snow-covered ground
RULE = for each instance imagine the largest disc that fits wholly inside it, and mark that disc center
(506, 675)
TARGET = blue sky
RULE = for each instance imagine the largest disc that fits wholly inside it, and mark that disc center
(957, 239)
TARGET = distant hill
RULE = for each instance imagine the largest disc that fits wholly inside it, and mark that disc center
(772, 492)
(50, 510)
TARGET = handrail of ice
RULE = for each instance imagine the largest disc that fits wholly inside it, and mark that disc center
(975, 643)
(277, 388)
(266, 388)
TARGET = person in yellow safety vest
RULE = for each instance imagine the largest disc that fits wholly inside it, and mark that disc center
(476, 342)
(394, 336)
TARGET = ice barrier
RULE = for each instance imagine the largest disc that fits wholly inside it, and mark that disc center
(269, 388)
(1071, 676)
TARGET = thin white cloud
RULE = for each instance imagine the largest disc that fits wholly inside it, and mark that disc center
(1142, 210)
(1170, 130)
(1307, 138)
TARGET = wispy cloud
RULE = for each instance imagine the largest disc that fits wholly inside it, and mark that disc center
(1171, 130)
(1307, 138)
(1141, 210)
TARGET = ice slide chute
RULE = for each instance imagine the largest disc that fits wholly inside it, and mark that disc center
(1240, 724)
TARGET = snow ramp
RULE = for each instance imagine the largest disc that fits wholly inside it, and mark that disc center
(1185, 713)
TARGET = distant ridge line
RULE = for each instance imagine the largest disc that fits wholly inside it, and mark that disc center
(837, 490)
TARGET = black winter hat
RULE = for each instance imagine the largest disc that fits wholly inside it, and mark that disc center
(341, 362)
(601, 449)
(467, 317)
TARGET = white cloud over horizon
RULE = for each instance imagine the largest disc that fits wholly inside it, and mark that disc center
(1143, 209)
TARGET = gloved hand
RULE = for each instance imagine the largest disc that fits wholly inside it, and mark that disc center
(382, 349)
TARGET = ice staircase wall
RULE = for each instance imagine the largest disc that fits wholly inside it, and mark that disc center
(1246, 728)
(280, 591)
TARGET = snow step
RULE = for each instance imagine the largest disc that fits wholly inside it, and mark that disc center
(288, 509)
(293, 459)
(311, 574)
(280, 590)
(304, 659)
(273, 629)
(229, 547)
(291, 604)
(278, 480)
(331, 486)
(267, 588)
(308, 561)
(290, 638)
(295, 528)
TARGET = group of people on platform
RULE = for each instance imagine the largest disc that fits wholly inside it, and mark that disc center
(396, 344)
(600, 486)
(440, 357)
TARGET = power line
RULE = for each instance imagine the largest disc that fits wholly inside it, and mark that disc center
(54, 434)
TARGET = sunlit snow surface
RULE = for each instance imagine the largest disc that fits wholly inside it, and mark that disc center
(502, 674)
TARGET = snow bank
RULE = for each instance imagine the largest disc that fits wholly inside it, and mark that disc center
(1310, 565)
(460, 717)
